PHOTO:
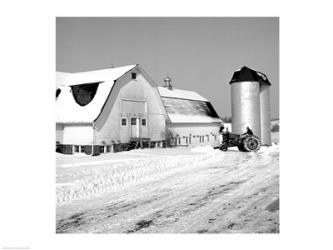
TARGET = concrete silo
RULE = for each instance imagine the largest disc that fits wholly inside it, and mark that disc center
(265, 115)
(250, 104)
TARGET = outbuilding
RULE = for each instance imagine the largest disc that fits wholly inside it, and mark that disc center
(101, 111)
(192, 120)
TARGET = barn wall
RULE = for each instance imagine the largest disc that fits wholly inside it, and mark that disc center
(108, 127)
(200, 134)
(77, 134)
(59, 133)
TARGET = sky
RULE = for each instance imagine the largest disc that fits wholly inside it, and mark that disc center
(198, 54)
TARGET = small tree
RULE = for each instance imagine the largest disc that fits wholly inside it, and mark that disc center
(169, 135)
(275, 128)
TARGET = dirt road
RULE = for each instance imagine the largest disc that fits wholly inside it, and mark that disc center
(232, 193)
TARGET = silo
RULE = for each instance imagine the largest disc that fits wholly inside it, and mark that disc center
(265, 115)
(245, 106)
(250, 103)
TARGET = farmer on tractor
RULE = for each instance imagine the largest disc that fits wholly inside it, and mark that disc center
(246, 142)
(248, 131)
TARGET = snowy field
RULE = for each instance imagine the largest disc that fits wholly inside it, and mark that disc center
(178, 190)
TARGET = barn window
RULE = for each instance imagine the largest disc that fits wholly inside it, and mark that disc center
(123, 121)
(84, 93)
(133, 75)
(143, 121)
(77, 149)
(83, 149)
(133, 121)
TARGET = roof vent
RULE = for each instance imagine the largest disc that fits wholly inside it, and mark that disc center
(167, 83)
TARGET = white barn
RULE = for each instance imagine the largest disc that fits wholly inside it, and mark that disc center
(101, 111)
(191, 118)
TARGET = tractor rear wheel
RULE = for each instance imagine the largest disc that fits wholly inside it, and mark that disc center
(251, 143)
(224, 147)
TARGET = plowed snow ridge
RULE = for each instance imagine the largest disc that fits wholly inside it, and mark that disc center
(117, 175)
(104, 176)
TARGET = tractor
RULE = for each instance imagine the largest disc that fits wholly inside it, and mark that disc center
(244, 142)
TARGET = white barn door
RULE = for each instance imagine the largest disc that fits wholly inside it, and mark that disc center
(138, 120)
(135, 127)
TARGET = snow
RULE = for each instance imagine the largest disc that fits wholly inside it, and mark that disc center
(181, 94)
(177, 118)
(169, 190)
(86, 178)
(62, 78)
(110, 74)
(203, 149)
(68, 111)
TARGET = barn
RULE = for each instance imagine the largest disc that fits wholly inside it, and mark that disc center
(191, 117)
(104, 110)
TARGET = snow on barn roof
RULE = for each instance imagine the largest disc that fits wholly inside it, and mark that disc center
(111, 74)
(181, 94)
(96, 85)
(62, 78)
(184, 106)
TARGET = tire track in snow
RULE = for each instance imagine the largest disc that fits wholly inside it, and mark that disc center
(182, 200)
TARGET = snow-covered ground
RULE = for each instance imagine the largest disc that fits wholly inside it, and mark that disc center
(169, 190)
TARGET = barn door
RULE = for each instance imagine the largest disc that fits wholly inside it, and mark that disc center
(138, 119)
(139, 127)
(135, 126)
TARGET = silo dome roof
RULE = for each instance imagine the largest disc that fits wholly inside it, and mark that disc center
(246, 74)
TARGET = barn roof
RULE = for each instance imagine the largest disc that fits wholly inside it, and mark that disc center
(80, 98)
(181, 94)
(96, 85)
(184, 106)
(62, 78)
(246, 74)
(111, 74)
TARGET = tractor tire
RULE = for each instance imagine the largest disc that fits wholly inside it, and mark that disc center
(224, 147)
(251, 143)
(241, 148)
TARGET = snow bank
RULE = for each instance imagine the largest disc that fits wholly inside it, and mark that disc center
(203, 149)
(83, 181)
(117, 175)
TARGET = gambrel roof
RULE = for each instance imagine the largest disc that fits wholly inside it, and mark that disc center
(80, 98)
(184, 106)
(94, 85)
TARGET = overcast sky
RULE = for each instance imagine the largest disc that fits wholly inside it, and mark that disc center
(199, 54)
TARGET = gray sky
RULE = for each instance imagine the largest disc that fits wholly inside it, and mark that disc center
(199, 54)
